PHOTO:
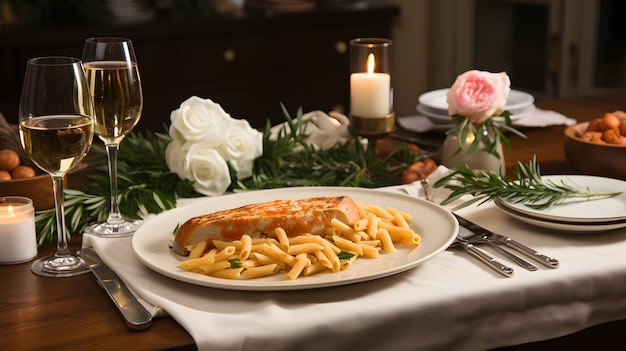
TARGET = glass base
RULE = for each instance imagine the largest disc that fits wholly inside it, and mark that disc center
(60, 266)
(113, 230)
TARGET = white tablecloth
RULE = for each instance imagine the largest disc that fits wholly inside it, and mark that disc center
(451, 302)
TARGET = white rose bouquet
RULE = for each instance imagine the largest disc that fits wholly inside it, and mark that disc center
(474, 98)
(205, 140)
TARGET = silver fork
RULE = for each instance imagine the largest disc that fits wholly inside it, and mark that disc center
(483, 256)
(475, 238)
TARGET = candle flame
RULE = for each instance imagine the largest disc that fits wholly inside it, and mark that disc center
(370, 63)
(10, 211)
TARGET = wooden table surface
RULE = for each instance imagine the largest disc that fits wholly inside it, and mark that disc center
(75, 313)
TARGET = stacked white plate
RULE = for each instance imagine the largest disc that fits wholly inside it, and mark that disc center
(576, 215)
(434, 105)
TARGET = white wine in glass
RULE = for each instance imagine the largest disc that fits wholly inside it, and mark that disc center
(115, 85)
(56, 132)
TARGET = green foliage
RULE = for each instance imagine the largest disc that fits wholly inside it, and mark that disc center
(527, 187)
(288, 161)
(463, 128)
(145, 184)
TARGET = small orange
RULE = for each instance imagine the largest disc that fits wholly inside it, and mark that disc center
(4, 175)
(23, 172)
(9, 160)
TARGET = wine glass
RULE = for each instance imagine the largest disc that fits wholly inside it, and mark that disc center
(113, 76)
(56, 131)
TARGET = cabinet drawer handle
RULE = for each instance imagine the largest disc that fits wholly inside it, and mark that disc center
(229, 55)
(340, 46)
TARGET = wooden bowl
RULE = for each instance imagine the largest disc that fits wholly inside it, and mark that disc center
(37, 188)
(592, 158)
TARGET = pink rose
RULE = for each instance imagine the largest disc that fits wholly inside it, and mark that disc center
(478, 95)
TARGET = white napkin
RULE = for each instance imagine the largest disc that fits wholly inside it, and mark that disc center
(542, 118)
(536, 118)
(427, 308)
(422, 124)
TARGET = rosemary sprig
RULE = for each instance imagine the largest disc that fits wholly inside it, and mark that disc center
(145, 184)
(528, 187)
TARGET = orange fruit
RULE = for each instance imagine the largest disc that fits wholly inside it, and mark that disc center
(23, 172)
(9, 160)
(4, 175)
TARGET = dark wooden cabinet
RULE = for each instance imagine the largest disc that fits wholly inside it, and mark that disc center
(248, 64)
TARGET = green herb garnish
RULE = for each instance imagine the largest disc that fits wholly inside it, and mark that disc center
(527, 187)
(345, 255)
(234, 263)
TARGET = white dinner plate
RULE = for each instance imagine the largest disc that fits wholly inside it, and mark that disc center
(597, 210)
(447, 120)
(436, 225)
(436, 101)
(561, 226)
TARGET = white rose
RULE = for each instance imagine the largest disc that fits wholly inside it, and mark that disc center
(200, 163)
(199, 120)
(241, 146)
(174, 157)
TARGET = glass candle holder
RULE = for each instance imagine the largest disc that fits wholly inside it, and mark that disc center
(371, 91)
(18, 241)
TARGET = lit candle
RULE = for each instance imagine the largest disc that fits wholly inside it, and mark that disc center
(370, 92)
(18, 242)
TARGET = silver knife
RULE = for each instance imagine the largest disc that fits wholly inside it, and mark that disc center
(497, 238)
(135, 315)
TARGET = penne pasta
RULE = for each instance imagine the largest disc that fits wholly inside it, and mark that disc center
(380, 212)
(283, 240)
(274, 251)
(225, 253)
(301, 262)
(376, 232)
(369, 251)
(306, 248)
(260, 271)
(198, 250)
(214, 267)
(348, 245)
(221, 244)
(246, 247)
(361, 224)
(314, 268)
(372, 225)
(385, 241)
(229, 273)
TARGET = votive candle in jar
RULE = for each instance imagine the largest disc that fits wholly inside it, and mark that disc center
(370, 78)
(18, 240)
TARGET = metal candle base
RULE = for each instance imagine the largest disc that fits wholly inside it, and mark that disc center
(373, 127)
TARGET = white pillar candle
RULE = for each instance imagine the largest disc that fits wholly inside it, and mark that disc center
(370, 92)
(18, 242)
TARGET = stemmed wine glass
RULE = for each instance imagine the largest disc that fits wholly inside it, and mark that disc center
(115, 86)
(56, 131)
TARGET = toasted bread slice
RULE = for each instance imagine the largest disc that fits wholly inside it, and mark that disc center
(296, 217)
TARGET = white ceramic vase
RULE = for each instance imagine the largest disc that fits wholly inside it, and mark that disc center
(478, 159)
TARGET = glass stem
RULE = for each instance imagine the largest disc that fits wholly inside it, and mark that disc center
(57, 188)
(114, 211)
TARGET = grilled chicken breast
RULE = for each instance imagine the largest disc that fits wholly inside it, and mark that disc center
(296, 217)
